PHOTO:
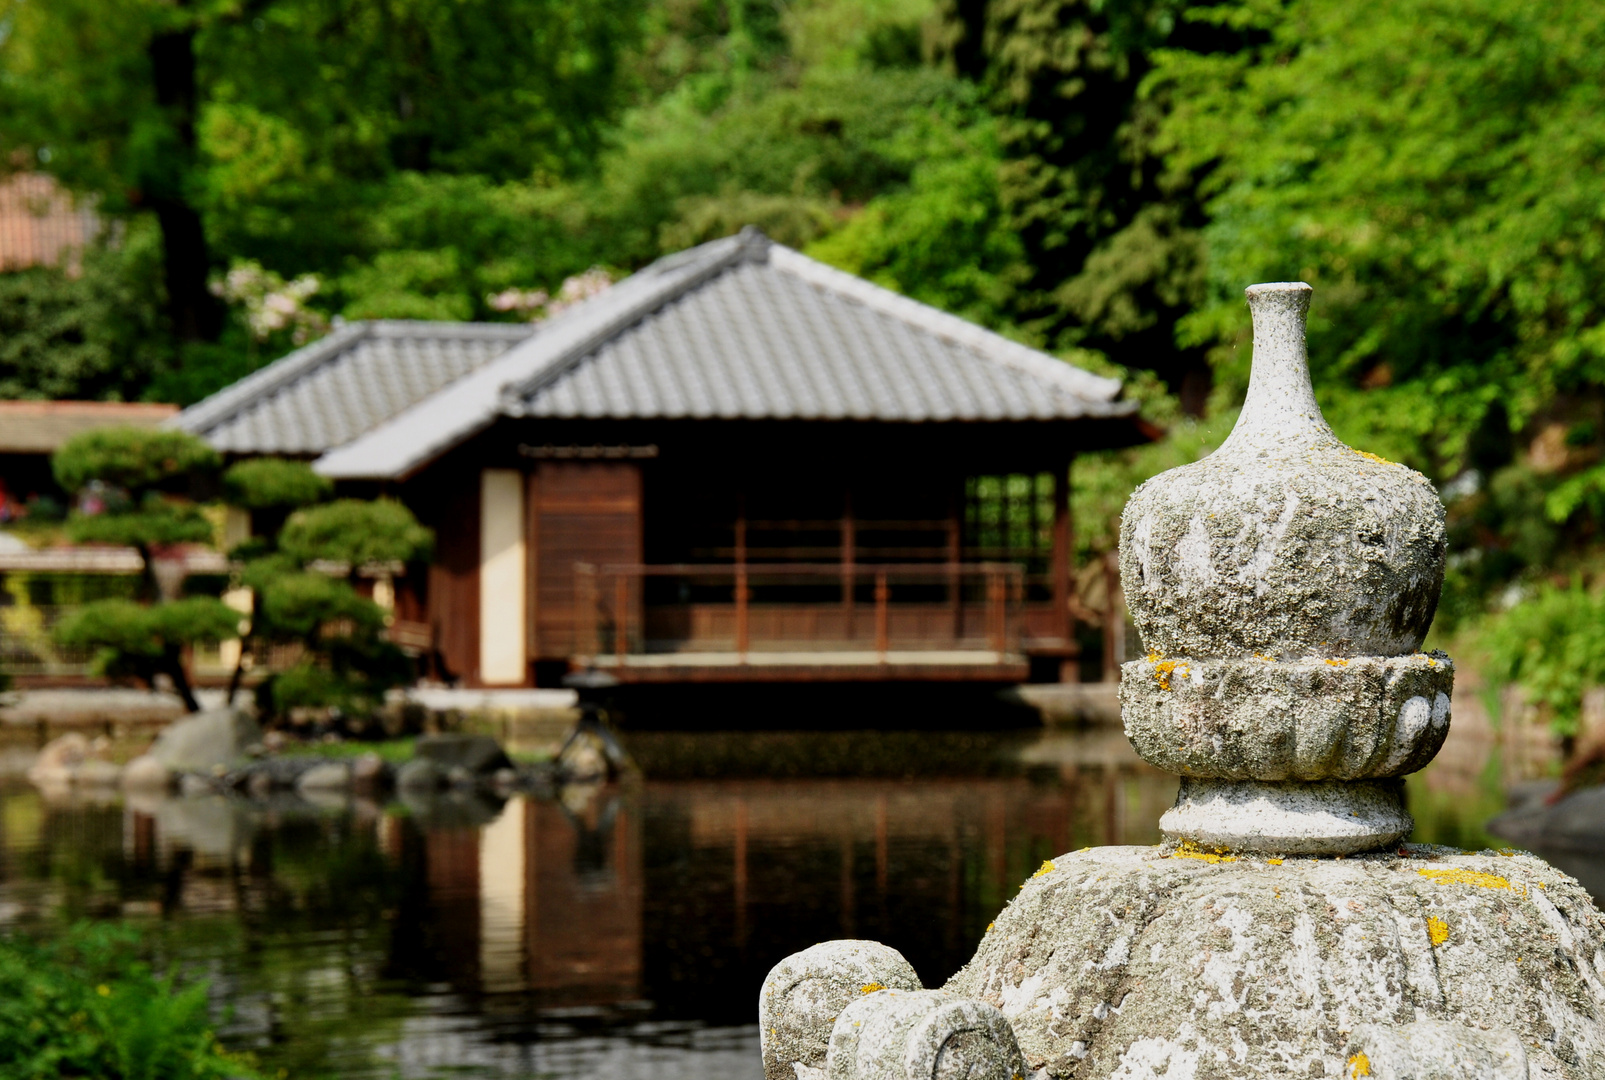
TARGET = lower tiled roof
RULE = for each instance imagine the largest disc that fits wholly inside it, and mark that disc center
(333, 390)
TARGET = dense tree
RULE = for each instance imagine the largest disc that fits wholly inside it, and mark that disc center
(301, 566)
(1110, 233)
(131, 485)
(274, 121)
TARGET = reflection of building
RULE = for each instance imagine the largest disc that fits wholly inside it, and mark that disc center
(736, 465)
(545, 899)
(684, 892)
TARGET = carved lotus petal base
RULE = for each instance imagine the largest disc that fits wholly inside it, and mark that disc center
(1356, 718)
(1289, 818)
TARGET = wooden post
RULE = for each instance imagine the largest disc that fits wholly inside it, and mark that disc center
(742, 593)
(1063, 574)
(585, 594)
(849, 558)
(955, 555)
(1114, 619)
(621, 617)
(994, 610)
(882, 630)
(741, 596)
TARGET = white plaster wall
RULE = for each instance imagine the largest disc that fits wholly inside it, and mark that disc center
(501, 576)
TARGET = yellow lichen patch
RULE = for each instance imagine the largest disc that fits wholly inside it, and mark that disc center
(1274, 862)
(1437, 930)
(1374, 457)
(1163, 670)
(1459, 875)
(1264, 657)
(1188, 851)
(1359, 1065)
(870, 988)
(1335, 662)
(1047, 867)
(989, 926)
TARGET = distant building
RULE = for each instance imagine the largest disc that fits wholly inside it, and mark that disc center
(41, 224)
(738, 465)
(30, 431)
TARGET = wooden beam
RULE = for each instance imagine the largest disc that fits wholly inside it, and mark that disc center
(1063, 570)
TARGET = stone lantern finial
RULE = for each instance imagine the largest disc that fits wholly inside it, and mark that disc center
(1283, 586)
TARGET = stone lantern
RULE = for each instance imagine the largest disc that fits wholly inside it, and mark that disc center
(1283, 586)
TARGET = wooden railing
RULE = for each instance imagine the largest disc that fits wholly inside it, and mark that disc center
(624, 610)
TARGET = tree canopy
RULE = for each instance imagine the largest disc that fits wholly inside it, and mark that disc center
(1097, 179)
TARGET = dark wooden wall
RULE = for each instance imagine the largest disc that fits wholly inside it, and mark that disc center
(579, 511)
(453, 597)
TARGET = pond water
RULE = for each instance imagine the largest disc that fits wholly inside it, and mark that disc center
(618, 930)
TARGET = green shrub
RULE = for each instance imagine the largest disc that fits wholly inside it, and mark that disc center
(270, 483)
(356, 533)
(134, 459)
(86, 1005)
(1553, 646)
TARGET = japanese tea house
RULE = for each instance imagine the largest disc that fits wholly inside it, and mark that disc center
(738, 464)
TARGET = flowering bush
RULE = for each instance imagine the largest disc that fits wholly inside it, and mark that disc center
(271, 303)
(538, 304)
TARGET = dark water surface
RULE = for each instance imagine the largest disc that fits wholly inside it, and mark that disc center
(617, 930)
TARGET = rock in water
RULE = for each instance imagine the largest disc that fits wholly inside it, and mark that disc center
(478, 755)
(326, 776)
(147, 774)
(204, 740)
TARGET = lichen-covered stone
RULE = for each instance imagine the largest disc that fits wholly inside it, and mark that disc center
(1307, 719)
(922, 1035)
(805, 993)
(1140, 963)
(1435, 1050)
(1283, 542)
(1289, 817)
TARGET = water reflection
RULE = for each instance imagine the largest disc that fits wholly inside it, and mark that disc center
(614, 930)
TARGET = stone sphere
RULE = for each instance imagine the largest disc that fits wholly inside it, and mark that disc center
(1127, 962)
(1284, 542)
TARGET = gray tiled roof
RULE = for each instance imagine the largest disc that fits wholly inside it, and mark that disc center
(758, 342)
(741, 328)
(332, 391)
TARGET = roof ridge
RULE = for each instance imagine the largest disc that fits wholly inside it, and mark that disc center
(214, 408)
(749, 245)
(988, 344)
(430, 328)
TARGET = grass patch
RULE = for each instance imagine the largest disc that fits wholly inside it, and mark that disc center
(395, 751)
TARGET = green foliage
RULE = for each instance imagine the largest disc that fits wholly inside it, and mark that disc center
(94, 334)
(347, 665)
(85, 1005)
(273, 483)
(157, 521)
(1553, 646)
(1109, 233)
(356, 533)
(131, 639)
(307, 605)
(1442, 203)
(134, 460)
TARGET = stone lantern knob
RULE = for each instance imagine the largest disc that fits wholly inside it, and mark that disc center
(1283, 586)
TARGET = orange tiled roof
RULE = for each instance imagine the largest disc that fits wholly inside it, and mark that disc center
(39, 224)
(40, 427)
